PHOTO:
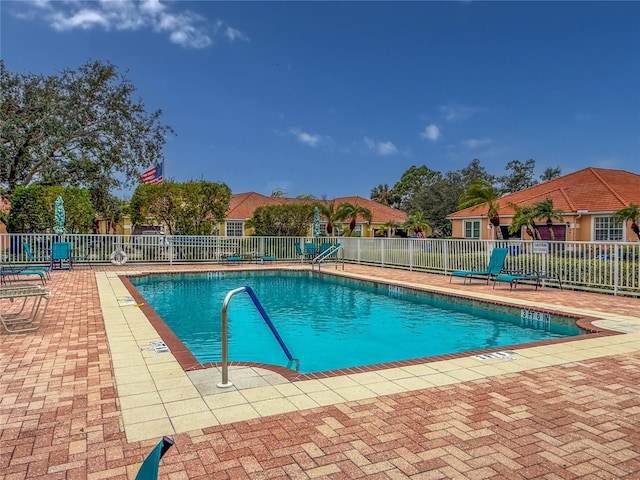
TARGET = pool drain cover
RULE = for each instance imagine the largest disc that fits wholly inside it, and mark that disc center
(159, 346)
(506, 355)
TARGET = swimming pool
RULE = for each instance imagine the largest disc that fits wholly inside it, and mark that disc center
(329, 322)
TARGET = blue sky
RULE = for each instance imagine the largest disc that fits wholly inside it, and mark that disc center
(335, 98)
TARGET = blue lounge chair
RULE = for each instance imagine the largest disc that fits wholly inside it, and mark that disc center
(150, 466)
(299, 251)
(537, 277)
(494, 267)
(13, 271)
(514, 278)
(30, 256)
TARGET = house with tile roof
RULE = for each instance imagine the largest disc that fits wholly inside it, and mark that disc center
(243, 205)
(587, 198)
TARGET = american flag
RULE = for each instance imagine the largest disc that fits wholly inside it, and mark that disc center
(153, 175)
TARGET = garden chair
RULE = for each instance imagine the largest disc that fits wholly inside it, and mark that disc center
(494, 267)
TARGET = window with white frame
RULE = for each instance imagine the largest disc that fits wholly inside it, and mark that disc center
(472, 229)
(234, 229)
(607, 229)
(357, 231)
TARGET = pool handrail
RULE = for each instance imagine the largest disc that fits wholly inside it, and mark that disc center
(224, 327)
(331, 252)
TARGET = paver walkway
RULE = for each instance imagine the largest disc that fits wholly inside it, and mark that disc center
(61, 414)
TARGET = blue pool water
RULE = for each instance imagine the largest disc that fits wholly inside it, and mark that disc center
(326, 322)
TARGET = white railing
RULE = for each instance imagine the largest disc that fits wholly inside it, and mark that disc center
(592, 266)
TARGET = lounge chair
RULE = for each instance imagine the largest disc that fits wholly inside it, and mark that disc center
(13, 271)
(494, 267)
(514, 278)
(150, 466)
(299, 251)
(29, 309)
(30, 256)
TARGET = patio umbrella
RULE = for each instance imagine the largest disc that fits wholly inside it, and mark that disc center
(59, 216)
(316, 222)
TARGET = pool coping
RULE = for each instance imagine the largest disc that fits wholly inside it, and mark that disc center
(158, 396)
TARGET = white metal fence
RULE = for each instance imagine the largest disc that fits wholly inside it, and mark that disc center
(603, 267)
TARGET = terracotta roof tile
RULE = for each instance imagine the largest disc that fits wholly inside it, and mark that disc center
(591, 189)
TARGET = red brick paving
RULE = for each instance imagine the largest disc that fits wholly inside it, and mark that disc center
(60, 416)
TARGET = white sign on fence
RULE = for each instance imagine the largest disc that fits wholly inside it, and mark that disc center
(540, 247)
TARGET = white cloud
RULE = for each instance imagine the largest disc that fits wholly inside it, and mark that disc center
(309, 139)
(476, 142)
(431, 132)
(380, 148)
(234, 34)
(455, 112)
(184, 28)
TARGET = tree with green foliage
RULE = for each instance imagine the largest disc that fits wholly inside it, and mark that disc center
(382, 194)
(479, 193)
(416, 224)
(203, 206)
(278, 193)
(191, 208)
(521, 176)
(329, 211)
(524, 216)
(545, 210)
(32, 209)
(351, 212)
(437, 195)
(389, 228)
(413, 182)
(630, 213)
(292, 220)
(81, 127)
(550, 173)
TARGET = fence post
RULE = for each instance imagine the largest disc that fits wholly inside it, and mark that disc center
(410, 256)
(616, 267)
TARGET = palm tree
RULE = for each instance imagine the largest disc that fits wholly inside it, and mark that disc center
(481, 192)
(306, 196)
(278, 192)
(352, 211)
(383, 195)
(630, 213)
(524, 217)
(328, 211)
(417, 223)
(389, 228)
(544, 209)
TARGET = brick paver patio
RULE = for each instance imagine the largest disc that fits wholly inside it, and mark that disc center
(60, 414)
